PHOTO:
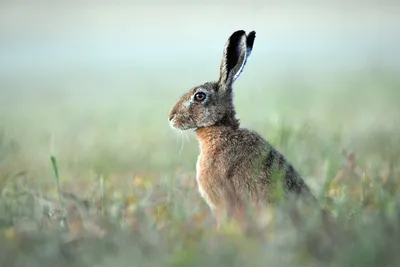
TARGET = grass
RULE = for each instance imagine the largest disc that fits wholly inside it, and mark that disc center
(126, 179)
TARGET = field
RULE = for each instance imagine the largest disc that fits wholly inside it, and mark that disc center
(133, 177)
(92, 174)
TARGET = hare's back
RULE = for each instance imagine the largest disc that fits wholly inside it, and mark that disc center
(256, 161)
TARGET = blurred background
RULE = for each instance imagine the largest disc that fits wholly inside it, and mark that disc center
(80, 76)
(92, 82)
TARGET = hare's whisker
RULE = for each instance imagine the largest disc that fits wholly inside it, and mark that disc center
(181, 135)
(187, 137)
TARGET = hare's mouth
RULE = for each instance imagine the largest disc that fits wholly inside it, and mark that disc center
(178, 123)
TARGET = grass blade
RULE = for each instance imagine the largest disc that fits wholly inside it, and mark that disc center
(57, 178)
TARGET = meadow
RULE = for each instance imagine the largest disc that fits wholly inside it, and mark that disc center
(127, 180)
(92, 174)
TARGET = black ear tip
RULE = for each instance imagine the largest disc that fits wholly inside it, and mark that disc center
(250, 39)
(237, 34)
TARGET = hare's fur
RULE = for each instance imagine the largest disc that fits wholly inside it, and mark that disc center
(235, 166)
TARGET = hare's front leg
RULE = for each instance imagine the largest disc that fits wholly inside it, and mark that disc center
(219, 214)
(236, 215)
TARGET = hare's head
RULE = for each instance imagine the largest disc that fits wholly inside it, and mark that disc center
(211, 103)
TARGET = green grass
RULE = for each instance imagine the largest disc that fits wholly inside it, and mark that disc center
(134, 199)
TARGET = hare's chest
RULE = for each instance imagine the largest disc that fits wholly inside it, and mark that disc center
(204, 179)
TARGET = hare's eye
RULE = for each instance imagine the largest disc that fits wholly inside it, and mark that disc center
(200, 96)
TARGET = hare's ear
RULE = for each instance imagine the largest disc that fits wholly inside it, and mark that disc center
(237, 50)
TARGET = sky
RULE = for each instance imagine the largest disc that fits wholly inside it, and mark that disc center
(54, 37)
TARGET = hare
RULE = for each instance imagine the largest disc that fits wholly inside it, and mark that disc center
(235, 165)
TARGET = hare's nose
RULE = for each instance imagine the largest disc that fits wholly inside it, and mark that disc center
(171, 116)
(172, 113)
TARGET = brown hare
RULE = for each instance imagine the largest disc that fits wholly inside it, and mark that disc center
(236, 166)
